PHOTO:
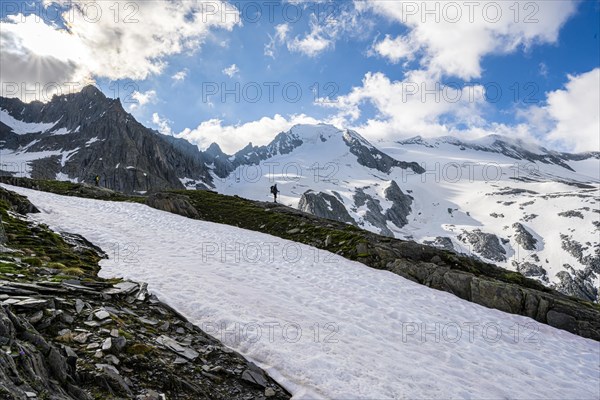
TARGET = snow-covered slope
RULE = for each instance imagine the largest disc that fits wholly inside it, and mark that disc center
(515, 204)
(321, 325)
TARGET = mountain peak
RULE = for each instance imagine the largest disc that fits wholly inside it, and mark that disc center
(91, 90)
(308, 133)
(214, 150)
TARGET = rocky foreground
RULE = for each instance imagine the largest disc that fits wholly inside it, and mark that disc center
(67, 334)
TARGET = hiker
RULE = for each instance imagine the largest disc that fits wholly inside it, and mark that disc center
(97, 180)
(274, 192)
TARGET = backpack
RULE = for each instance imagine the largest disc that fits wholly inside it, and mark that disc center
(273, 189)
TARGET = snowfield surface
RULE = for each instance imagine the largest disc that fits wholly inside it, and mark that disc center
(21, 127)
(323, 326)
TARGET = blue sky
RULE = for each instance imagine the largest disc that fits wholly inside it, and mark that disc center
(365, 55)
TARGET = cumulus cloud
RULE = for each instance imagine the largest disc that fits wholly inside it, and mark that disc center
(163, 124)
(231, 71)
(455, 36)
(396, 49)
(232, 138)
(573, 112)
(180, 75)
(416, 105)
(142, 98)
(327, 24)
(93, 45)
(313, 43)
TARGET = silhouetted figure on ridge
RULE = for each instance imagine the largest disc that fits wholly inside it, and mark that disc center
(274, 192)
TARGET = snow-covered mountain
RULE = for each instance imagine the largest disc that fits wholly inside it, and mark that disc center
(78, 136)
(511, 203)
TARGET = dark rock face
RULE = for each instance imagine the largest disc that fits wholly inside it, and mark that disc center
(401, 203)
(325, 206)
(486, 244)
(578, 284)
(571, 214)
(102, 139)
(370, 157)
(172, 203)
(397, 214)
(576, 249)
(17, 203)
(531, 270)
(374, 214)
(549, 308)
(442, 242)
(524, 237)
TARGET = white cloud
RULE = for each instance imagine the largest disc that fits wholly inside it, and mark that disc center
(463, 34)
(543, 69)
(574, 112)
(231, 71)
(417, 105)
(142, 99)
(568, 120)
(180, 75)
(135, 47)
(327, 24)
(313, 43)
(280, 36)
(396, 49)
(163, 124)
(232, 138)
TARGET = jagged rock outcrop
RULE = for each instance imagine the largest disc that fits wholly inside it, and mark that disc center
(374, 214)
(223, 164)
(577, 283)
(400, 210)
(442, 242)
(371, 157)
(324, 205)
(33, 365)
(531, 270)
(571, 214)
(524, 237)
(576, 249)
(485, 244)
(172, 203)
(17, 203)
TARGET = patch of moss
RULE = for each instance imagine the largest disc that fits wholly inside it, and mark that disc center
(33, 261)
(55, 265)
(8, 268)
(73, 271)
(139, 349)
(60, 278)
(125, 334)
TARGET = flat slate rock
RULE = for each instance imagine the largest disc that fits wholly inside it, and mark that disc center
(177, 348)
